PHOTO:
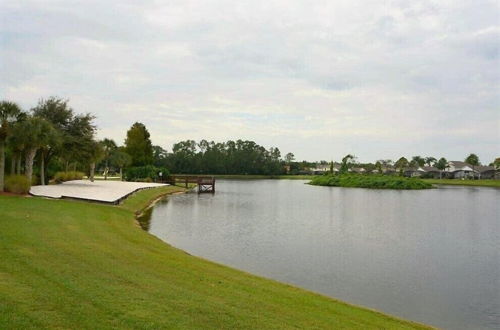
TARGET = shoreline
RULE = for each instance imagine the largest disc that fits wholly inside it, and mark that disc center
(167, 195)
(191, 292)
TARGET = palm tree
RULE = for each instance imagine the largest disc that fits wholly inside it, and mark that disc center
(400, 164)
(108, 146)
(473, 160)
(430, 161)
(35, 133)
(441, 165)
(8, 114)
(96, 154)
(121, 159)
(347, 163)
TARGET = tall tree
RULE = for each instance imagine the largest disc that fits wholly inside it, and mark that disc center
(401, 163)
(108, 146)
(8, 114)
(289, 157)
(430, 161)
(347, 163)
(121, 160)
(441, 165)
(76, 131)
(36, 133)
(95, 153)
(138, 145)
(473, 160)
(496, 163)
(417, 161)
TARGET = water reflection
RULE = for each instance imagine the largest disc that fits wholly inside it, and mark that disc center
(430, 256)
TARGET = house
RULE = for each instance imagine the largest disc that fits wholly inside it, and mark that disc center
(431, 172)
(388, 170)
(358, 170)
(460, 170)
(487, 172)
(413, 172)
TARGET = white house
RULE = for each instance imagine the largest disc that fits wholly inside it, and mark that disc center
(458, 170)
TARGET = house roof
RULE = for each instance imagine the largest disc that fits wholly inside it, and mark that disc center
(414, 169)
(430, 169)
(482, 169)
(458, 163)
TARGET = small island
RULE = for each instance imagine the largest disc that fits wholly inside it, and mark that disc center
(369, 181)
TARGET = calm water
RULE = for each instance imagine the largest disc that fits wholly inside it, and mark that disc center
(430, 256)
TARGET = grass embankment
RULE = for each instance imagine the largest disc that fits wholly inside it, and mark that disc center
(370, 181)
(457, 182)
(69, 264)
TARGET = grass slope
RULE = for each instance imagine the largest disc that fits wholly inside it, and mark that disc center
(456, 182)
(370, 181)
(68, 264)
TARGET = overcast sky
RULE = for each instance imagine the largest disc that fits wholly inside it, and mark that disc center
(317, 78)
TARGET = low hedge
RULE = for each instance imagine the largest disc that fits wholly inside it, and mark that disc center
(147, 173)
(17, 184)
(68, 176)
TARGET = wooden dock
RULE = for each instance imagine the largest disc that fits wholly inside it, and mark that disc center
(206, 184)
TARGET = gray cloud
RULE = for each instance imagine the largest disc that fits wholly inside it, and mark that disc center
(318, 78)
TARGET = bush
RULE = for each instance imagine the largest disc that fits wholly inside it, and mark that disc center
(17, 184)
(370, 181)
(147, 173)
(68, 176)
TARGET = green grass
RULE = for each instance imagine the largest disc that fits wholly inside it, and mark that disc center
(68, 265)
(457, 182)
(370, 181)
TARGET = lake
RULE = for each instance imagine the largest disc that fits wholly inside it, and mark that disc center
(430, 256)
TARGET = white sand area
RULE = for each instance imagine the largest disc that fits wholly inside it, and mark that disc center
(99, 190)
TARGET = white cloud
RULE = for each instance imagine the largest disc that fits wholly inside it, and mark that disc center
(317, 78)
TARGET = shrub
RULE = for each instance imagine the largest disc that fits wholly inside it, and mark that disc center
(147, 173)
(370, 181)
(17, 184)
(68, 176)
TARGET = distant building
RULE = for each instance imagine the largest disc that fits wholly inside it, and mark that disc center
(413, 172)
(460, 170)
(487, 172)
(431, 172)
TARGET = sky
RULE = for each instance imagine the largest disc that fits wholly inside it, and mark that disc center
(321, 79)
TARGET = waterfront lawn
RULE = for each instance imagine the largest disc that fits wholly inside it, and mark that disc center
(370, 181)
(457, 182)
(69, 264)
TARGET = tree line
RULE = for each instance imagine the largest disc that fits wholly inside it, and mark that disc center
(51, 137)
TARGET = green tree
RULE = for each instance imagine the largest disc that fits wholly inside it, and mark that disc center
(401, 164)
(347, 163)
(95, 153)
(473, 160)
(138, 145)
(36, 133)
(496, 163)
(417, 161)
(76, 131)
(289, 157)
(108, 146)
(430, 161)
(8, 114)
(441, 165)
(120, 159)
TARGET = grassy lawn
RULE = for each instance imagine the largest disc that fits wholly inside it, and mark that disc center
(480, 183)
(68, 264)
